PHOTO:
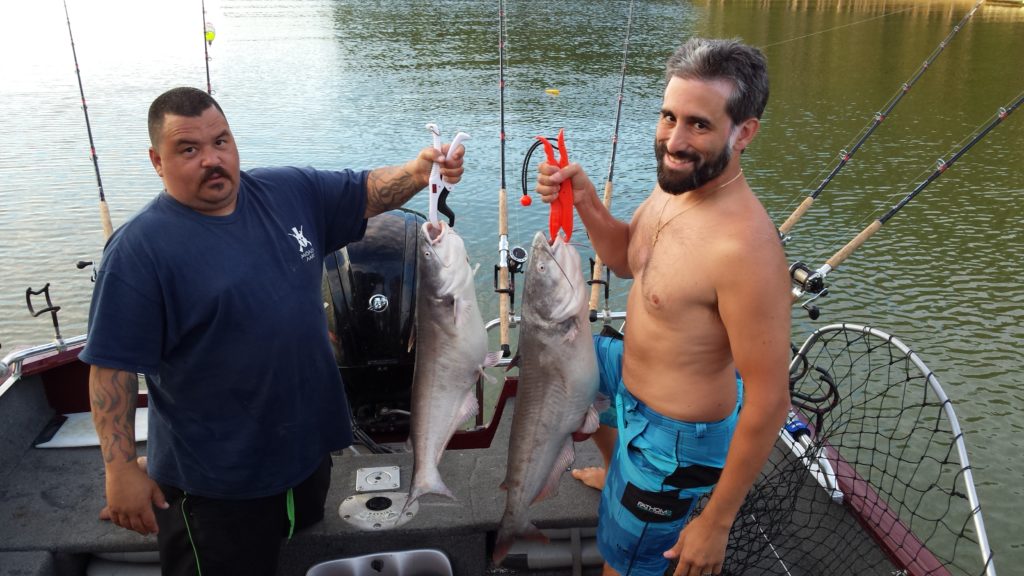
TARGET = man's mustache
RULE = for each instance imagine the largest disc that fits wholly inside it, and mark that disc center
(216, 170)
(680, 155)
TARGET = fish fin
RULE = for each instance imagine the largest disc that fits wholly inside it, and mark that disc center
(571, 333)
(467, 410)
(507, 536)
(475, 268)
(492, 359)
(590, 420)
(456, 309)
(562, 463)
(602, 402)
(432, 484)
(514, 363)
(490, 379)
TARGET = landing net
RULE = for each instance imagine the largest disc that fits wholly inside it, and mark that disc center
(871, 475)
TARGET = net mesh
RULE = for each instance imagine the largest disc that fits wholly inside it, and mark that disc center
(873, 436)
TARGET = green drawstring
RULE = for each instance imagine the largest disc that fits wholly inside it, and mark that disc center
(188, 529)
(291, 513)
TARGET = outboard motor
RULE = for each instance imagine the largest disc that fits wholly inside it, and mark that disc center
(370, 309)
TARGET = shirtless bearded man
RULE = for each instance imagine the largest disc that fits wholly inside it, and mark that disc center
(710, 300)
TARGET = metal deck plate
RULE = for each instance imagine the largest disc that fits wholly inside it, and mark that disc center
(378, 479)
(378, 511)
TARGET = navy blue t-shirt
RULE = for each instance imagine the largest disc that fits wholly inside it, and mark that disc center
(224, 315)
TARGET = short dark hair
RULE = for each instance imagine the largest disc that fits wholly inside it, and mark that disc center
(183, 101)
(710, 59)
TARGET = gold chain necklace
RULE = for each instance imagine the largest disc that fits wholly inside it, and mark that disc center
(657, 231)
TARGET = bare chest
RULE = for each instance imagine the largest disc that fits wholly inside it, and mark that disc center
(671, 271)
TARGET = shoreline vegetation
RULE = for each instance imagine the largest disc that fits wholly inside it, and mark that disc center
(952, 9)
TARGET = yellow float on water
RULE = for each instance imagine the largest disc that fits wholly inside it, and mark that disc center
(552, 91)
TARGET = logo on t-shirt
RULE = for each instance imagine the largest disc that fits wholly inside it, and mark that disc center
(306, 249)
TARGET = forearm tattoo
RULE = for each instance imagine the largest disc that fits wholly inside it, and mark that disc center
(114, 396)
(389, 188)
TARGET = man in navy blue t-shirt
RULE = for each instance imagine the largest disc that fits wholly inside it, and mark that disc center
(213, 291)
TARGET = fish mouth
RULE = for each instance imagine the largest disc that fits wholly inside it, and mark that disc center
(555, 250)
(434, 234)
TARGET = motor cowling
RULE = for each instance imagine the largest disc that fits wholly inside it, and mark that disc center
(370, 295)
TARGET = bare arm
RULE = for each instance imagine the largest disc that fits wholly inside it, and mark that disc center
(610, 237)
(113, 395)
(756, 314)
(392, 186)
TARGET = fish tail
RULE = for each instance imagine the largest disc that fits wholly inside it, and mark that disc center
(502, 544)
(431, 483)
(508, 534)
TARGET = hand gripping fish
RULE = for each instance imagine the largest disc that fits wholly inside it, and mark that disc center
(451, 353)
(558, 383)
(439, 187)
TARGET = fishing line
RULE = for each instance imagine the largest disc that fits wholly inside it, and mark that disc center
(108, 228)
(847, 152)
(834, 29)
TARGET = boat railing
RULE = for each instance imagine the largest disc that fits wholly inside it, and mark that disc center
(12, 365)
(515, 319)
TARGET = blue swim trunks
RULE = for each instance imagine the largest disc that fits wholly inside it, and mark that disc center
(660, 470)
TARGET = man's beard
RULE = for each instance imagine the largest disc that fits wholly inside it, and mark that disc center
(702, 172)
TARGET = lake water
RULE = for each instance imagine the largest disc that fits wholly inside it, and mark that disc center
(351, 84)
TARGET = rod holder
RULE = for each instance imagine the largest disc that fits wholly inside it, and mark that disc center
(45, 292)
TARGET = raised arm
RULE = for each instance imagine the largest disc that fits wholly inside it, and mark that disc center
(392, 186)
(131, 494)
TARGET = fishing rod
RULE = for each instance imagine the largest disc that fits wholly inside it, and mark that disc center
(846, 155)
(502, 278)
(597, 281)
(108, 228)
(813, 282)
(208, 35)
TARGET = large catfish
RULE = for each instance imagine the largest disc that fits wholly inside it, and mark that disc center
(451, 353)
(558, 382)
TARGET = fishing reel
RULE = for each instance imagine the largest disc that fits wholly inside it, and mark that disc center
(516, 259)
(83, 264)
(807, 281)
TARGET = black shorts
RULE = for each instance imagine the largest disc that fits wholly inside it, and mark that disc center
(226, 537)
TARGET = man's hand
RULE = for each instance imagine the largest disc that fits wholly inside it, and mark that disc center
(550, 178)
(700, 548)
(131, 495)
(392, 186)
(451, 168)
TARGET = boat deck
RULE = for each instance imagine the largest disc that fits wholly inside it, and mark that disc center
(50, 500)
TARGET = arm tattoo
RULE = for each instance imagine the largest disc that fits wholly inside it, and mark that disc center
(390, 187)
(114, 395)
